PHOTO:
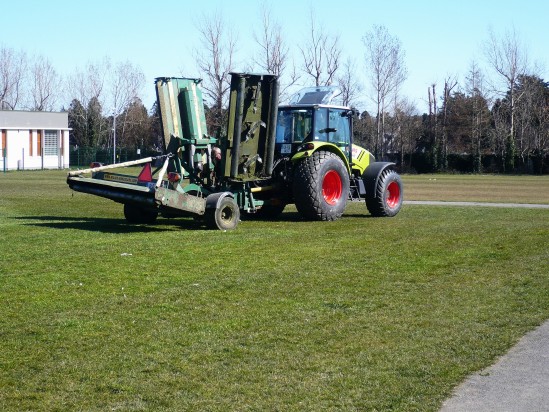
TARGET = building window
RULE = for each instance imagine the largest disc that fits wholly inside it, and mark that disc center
(51, 143)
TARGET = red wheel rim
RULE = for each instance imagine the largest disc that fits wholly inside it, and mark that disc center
(393, 195)
(332, 187)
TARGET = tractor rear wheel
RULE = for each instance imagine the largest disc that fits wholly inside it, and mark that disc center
(321, 186)
(388, 196)
(225, 216)
(139, 215)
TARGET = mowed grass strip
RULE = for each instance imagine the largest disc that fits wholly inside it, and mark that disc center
(358, 314)
(478, 188)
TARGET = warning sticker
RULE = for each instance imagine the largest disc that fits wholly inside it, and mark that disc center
(120, 178)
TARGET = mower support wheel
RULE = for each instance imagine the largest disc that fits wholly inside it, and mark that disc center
(225, 216)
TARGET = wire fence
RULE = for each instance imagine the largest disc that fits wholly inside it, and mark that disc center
(415, 163)
(84, 156)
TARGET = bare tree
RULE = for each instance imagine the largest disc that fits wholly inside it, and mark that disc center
(89, 83)
(407, 128)
(479, 115)
(273, 56)
(321, 55)
(135, 126)
(124, 84)
(332, 51)
(12, 71)
(87, 86)
(350, 86)
(508, 58)
(274, 51)
(449, 84)
(385, 60)
(45, 85)
(215, 61)
(433, 126)
(531, 118)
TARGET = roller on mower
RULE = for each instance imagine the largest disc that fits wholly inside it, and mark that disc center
(271, 156)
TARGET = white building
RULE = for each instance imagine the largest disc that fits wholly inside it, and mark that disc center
(34, 140)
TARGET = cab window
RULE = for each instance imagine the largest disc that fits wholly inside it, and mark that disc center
(293, 125)
(332, 125)
(339, 121)
(321, 125)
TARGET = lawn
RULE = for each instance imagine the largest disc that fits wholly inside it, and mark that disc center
(289, 315)
(479, 188)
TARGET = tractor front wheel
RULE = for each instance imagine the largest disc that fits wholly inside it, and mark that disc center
(321, 186)
(387, 200)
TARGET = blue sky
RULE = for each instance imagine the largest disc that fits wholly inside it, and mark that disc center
(440, 39)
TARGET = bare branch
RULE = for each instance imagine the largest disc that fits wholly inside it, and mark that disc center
(321, 55)
(12, 70)
(508, 59)
(507, 56)
(44, 85)
(350, 87)
(333, 55)
(215, 62)
(385, 60)
(88, 84)
(125, 83)
(274, 51)
(215, 59)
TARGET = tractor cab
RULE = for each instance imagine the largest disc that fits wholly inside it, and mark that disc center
(312, 118)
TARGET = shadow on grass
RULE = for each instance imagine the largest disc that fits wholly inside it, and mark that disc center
(283, 217)
(296, 217)
(110, 225)
(357, 215)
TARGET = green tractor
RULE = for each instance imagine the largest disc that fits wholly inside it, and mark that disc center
(319, 168)
(271, 156)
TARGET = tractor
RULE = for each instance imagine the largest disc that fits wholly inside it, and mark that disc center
(271, 155)
(319, 168)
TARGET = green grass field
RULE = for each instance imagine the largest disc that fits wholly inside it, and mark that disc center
(478, 188)
(288, 315)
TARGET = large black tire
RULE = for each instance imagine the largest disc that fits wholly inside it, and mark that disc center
(225, 216)
(388, 196)
(321, 186)
(137, 214)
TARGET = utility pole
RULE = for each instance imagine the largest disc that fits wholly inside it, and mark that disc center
(114, 137)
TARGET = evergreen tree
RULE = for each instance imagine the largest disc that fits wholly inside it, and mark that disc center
(78, 123)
